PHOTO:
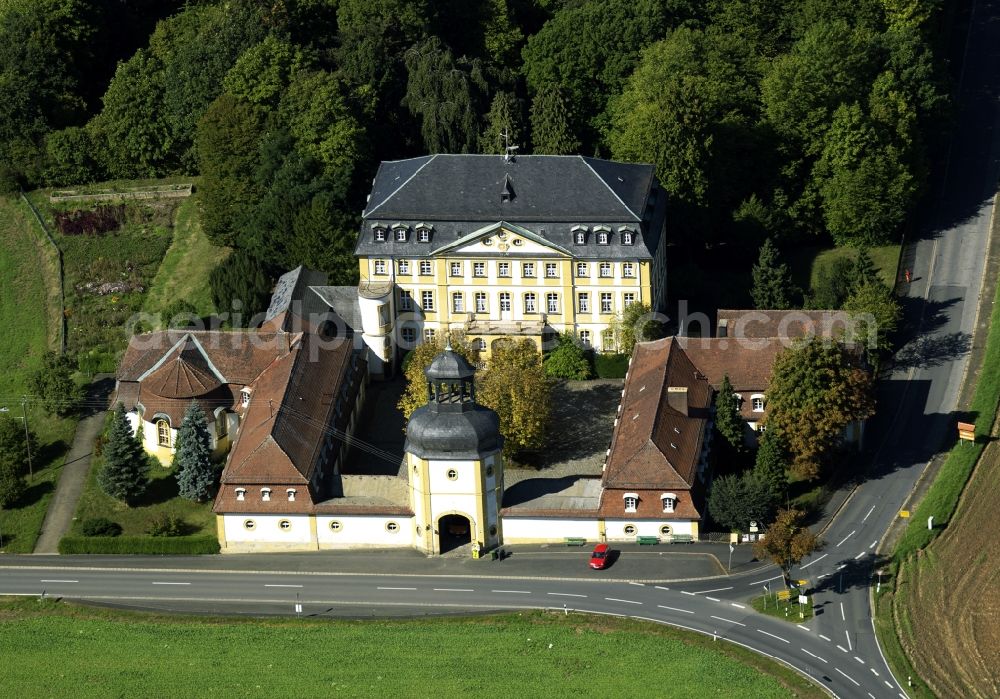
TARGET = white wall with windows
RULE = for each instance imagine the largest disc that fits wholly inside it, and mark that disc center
(540, 530)
(365, 531)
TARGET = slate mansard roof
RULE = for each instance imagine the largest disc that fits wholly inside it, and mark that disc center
(547, 194)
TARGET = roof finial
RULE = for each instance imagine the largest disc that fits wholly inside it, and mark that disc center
(447, 343)
(509, 149)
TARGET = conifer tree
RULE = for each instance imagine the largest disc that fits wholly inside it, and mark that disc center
(770, 466)
(504, 118)
(772, 282)
(728, 423)
(193, 458)
(863, 271)
(124, 476)
(551, 133)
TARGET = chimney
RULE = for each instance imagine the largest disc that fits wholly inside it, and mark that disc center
(723, 329)
(677, 398)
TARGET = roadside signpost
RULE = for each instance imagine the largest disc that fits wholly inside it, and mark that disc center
(967, 431)
(904, 514)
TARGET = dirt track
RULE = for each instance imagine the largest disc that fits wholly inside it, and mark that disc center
(952, 596)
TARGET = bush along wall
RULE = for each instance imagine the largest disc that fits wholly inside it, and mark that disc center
(183, 545)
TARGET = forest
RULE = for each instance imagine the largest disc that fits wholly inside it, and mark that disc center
(809, 122)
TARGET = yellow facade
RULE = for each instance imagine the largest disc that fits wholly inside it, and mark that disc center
(513, 290)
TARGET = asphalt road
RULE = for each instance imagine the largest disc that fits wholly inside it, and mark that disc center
(837, 648)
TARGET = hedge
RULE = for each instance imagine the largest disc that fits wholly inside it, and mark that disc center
(610, 366)
(187, 545)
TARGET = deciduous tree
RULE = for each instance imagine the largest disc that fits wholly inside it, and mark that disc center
(193, 457)
(14, 445)
(417, 361)
(53, 384)
(817, 389)
(875, 315)
(735, 500)
(515, 386)
(125, 474)
(787, 541)
(637, 323)
(567, 360)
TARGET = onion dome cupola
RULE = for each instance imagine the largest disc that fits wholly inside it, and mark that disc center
(452, 425)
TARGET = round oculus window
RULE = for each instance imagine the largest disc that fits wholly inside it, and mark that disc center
(285, 524)
(335, 526)
(629, 529)
(249, 524)
(452, 474)
(391, 527)
(666, 530)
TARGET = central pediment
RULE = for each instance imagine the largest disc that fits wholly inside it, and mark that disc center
(504, 239)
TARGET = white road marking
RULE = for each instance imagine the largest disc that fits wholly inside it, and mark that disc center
(276, 585)
(728, 621)
(871, 695)
(804, 628)
(860, 555)
(859, 660)
(638, 583)
(718, 589)
(514, 592)
(623, 601)
(738, 606)
(847, 537)
(842, 617)
(887, 684)
(824, 638)
(812, 654)
(841, 567)
(675, 609)
(399, 588)
(773, 636)
(660, 587)
(714, 599)
(848, 634)
(453, 589)
(171, 583)
(869, 513)
(872, 544)
(847, 676)
(776, 577)
(685, 592)
(564, 594)
(60, 581)
(841, 648)
(874, 672)
(813, 561)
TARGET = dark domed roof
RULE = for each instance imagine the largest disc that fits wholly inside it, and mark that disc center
(185, 374)
(470, 434)
(449, 365)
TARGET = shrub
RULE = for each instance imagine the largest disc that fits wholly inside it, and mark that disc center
(611, 366)
(101, 526)
(568, 360)
(182, 545)
(97, 221)
(166, 525)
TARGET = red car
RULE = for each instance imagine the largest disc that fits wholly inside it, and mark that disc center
(599, 558)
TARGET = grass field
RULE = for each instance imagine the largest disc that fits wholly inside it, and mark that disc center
(939, 612)
(160, 499)
(30, 327)
(789, 609)
(806, 264)
(183, 274)
(52, 649)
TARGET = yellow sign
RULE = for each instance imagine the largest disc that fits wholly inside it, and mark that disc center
(967, 431)
(784, 594)
(904, 513)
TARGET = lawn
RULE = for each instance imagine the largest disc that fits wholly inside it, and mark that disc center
(789, 609)
(806, 264)
(160, 499)
(54, 649)
(31, 326)
(183, 274)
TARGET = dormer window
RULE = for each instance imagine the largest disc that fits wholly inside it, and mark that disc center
(241, 494)
(265, 494)
(628, 236)
(401, 233)
(602, 237)
(669, 501)
(378, 234)
(579, 235)
(424, 233)
(631, 501)
(757, 402)
(245, 397)
(291, 494)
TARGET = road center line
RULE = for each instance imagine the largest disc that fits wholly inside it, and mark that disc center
(637, 583)
(59, 581)
(773, 636)
(872, 544)
(811, 562)
(776, 577)
(718, 589)
(812, 654)
(277, 585)
(842, 617)
(675, 609)
(847, 537)
(514, 592)
(824, 638)
(728, 621)
(685, 592)
(874, 672)
(714, 599)
(848, 634)
(738, 606)
(395, 588)
(564, 594)
(623, 601)
(660, 587)
(860, 555)
(869, 513)
(887, 684)
(859, 660)
(171, 583)
(847, 676)
(453, 589)
(804, 628)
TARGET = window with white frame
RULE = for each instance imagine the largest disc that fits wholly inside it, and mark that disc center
(628, 270)
(580, 237)
(582, 269)
(290, 492)
(456, 269)
(503, 269)
(241, 494)
(478, 269)
(529, 303)
(628, 298)
(424, 234)
(379, 234)
(608, 340)
(403, 267)
(504, 302)
(527, 269)
(669, 501)
(379, 266)
(265, 494)
(163, 432)
(457, 302)
(481, 302)
(631, 501)
(607, 305)
(400, 235)
(606, 270)
(425, 268)
(602, 237)
(551, 270)
(405, 300)
(583, 302)
(245, 397)
(627, 238)
(481, 344)
(427, 300)
(429, 335)
(585, 338)
(408, 334)
(757, 402)
(551, 303)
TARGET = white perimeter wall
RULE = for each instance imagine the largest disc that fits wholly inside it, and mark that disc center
(615, 528)
(358, 531)
(267, 533)
(526, 530)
